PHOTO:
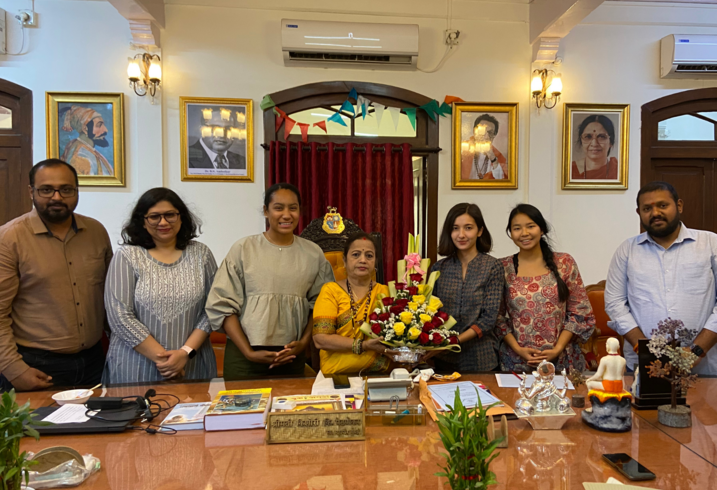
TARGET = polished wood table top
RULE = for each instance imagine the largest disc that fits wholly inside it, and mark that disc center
(391, 458)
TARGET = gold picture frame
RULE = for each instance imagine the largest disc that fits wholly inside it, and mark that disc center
(608, 123)
(485, 146)
(87, 131)
(217, 139)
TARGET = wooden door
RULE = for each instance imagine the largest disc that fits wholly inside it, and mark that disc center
(679, 146)
(15, 150)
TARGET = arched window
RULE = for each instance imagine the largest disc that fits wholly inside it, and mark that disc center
(315, 102)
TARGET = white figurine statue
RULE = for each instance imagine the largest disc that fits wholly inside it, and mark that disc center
(610, 372)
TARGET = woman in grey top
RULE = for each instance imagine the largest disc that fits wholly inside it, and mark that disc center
(155, 293)
(265, 290)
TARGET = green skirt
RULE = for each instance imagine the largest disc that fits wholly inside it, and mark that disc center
(237, 366)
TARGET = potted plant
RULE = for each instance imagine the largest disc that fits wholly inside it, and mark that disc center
(670, 341)
(464, 433)
(578, 379)
(14, 424)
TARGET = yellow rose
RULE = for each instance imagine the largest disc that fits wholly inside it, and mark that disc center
(413, 333)
(419, 298)
(435, 303)
(425, 318)
(422, 288)
(412, 306)
(432, 311)
(406, 317)
(399, 328)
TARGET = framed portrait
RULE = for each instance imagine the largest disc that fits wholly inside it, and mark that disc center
(217, 139)
(87, 131)
(595, 146)
(485, 146)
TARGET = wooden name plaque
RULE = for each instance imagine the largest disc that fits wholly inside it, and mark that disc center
(345, 425)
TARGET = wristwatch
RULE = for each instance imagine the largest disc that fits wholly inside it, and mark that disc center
(190, 352)
(697, 350)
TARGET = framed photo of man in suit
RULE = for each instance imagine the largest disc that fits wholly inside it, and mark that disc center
(217, 139)
(485, 149)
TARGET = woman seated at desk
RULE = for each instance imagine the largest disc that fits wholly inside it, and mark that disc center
(341, 309)
(155, 293)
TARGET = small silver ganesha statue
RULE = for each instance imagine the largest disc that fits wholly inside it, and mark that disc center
(543, 396)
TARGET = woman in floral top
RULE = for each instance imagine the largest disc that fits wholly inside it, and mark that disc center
(546, 314)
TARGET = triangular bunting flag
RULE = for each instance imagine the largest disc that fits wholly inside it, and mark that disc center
(395, 115)
(431, 109)
(336, 118)
(288, 126)
(353, 94)
(451, 98)
(322, 125)
(411, 113)
(363, 102)
(267, 102)
(445, 109)
(304, 132)
(348, 107)
(279, 121)
(281, 113)
(378, 110)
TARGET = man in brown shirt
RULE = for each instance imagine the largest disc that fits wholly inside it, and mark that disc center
(52, 273)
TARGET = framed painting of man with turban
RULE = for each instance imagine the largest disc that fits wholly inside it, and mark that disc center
(87, 131)
(216, 139)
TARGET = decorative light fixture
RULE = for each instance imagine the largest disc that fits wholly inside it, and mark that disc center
(145, 74)
(546, 87)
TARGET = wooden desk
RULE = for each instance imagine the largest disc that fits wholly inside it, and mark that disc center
(399, 458)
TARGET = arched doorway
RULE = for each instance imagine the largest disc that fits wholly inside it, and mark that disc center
(679, 146)
(15, 150)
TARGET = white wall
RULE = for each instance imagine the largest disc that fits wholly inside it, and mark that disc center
(235, 52)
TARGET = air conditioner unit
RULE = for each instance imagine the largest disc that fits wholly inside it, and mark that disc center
(688, 56)
(349, 44)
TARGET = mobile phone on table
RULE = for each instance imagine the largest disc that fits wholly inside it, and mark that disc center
(341, 381)
(629, 467)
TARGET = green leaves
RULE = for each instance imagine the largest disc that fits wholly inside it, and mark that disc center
(464, 433)
(14, 424)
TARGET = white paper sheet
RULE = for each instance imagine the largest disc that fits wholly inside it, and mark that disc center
(444, 394)
(68, 414)
(512, 381)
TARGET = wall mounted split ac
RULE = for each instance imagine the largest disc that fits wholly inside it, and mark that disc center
(349, 44)
(688, 56)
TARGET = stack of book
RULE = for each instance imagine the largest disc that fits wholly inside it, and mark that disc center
(238, 409)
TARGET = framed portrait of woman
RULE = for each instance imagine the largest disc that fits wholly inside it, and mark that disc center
(595, 146)
(485, 146)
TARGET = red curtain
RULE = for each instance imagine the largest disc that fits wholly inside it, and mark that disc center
(373, 188)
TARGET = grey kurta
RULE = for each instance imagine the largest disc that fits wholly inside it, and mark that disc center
(271, 288)
(144, 297)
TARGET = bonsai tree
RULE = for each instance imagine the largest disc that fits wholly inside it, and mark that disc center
(576, 377)
(464, 433)
(14, 424)
(671, 340)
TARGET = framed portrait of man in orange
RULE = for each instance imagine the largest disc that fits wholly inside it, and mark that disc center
(485, 148)
(595, 146)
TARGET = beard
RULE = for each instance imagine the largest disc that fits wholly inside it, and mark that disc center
(101, 141)
(667, 230)
(55, 215)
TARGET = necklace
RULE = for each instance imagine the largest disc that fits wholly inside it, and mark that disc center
(355, 306)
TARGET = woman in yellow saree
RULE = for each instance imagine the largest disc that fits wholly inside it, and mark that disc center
(343, 306)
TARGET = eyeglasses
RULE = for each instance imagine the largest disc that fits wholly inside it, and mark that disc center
(154, 218)
(601, 138)
(50, 191)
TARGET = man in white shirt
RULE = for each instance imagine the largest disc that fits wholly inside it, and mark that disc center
(480, 160)
(668, 271)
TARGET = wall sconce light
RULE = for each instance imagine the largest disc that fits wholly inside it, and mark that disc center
(546, 87)
(145, 74)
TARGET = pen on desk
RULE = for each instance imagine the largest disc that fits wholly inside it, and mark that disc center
(514, 374)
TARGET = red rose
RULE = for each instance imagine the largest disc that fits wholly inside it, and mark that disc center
(387, 301)
(416, 277)
(443, 316)
(437, 339)
(376, 328)
(401, 302)
(423, 338)
(373, 317)
(452, 339)
(428, 326)
(436, 323)
(383, 317)
(396, 309)
(400, 286)
(413, 290)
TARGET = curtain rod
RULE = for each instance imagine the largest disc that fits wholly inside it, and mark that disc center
(381, 149)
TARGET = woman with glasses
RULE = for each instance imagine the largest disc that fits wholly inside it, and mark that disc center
(596, 137)
(155, 294)
(265, 290)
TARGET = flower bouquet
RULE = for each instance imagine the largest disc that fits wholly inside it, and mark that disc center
(410, 320)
